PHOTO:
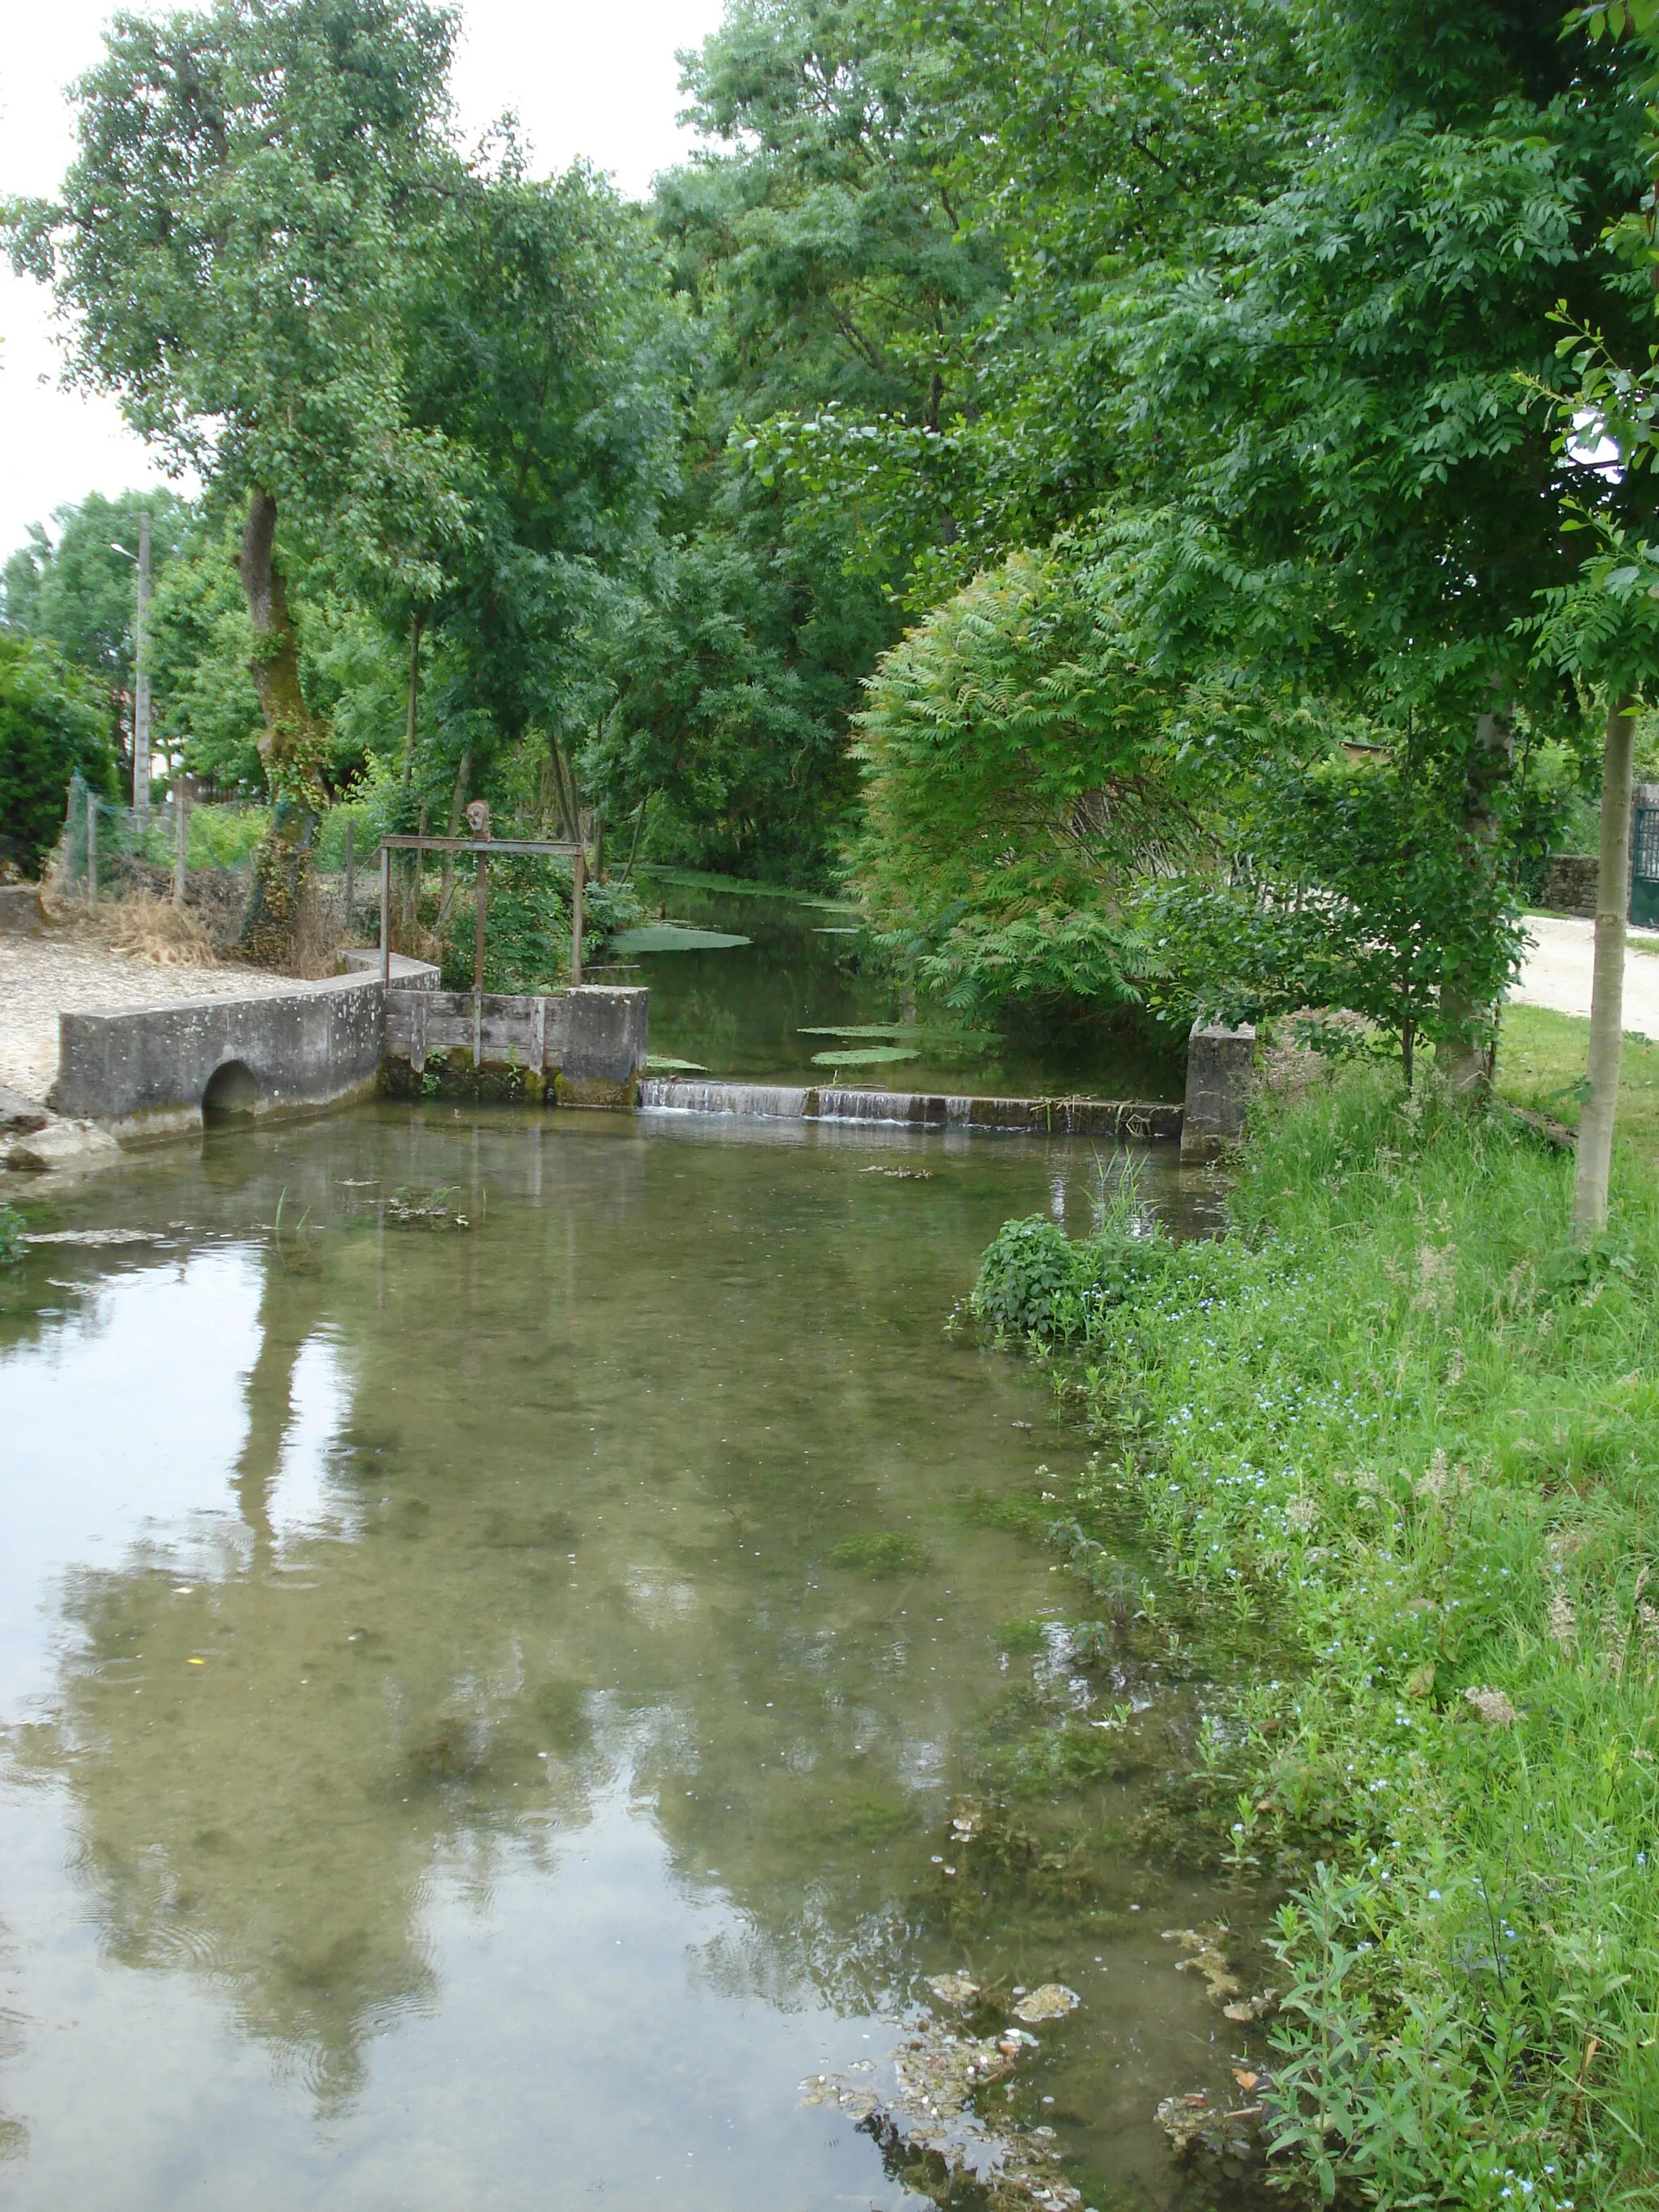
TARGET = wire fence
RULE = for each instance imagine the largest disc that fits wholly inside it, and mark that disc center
(199, 857)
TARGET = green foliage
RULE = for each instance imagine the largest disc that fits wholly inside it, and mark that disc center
(224, 836)
(1036, 1282)
(527, 926)
(1365, 889)
(1402, 1418)
(51, 723)
(11, 1234)
(1020, 774)
(78, 594)
(206, 708)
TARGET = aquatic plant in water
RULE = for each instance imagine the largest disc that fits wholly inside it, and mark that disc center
(879, 1553)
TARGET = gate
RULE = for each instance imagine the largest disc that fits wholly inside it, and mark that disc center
(1644, 865)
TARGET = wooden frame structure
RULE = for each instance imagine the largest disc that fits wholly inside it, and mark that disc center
(543, 848)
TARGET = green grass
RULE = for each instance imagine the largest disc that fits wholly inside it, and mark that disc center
(1541, 1057)
(1397, 1420)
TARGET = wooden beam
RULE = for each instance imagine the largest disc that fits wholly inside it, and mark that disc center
(385, 913)
(546, 847)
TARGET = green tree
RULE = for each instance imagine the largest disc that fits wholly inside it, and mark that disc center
(78, 592)
(233, 239)
(1024, 772)
(51, 723)
(1342, 386)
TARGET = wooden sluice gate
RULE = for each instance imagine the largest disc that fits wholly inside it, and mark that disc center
(583, 1045)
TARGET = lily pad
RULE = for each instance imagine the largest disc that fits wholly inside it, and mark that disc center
(674, 937)
(909, 1033)
(662, 1063)
(870, 1056)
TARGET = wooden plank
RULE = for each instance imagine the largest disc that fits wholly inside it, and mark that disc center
(577, 876)
(549, 848)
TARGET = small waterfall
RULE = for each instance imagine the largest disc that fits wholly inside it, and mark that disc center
(878, 1106)
(1088, 1117)
(768, 1101)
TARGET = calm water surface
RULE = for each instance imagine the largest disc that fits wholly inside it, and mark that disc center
(749, 1012)
(443, 1764)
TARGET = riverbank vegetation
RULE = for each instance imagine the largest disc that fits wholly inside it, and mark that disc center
(1399, 1422)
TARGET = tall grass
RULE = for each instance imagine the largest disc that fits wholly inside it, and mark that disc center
(1398, 1415)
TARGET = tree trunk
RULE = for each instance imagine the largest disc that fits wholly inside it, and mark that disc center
(411, 723)
(446, 889)
(290, 746)
(1606, 1036)
(1464, 1060)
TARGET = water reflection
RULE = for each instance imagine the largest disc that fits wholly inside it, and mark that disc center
(487, 1731)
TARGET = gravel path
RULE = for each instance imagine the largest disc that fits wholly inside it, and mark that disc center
(41, 977)
(1560, 965)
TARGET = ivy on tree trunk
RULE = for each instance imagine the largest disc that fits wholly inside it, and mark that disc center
(290, 745)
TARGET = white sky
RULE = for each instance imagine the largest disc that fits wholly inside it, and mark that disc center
(593, 77)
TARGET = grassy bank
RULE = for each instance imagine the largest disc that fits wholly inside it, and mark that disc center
(1541, 1058)
(1394, 1420)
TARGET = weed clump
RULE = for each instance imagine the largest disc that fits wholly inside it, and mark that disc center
(879, 1553)
(1398, 1419)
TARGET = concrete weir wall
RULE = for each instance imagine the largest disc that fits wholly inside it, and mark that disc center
(1220, 1070)
(157, 1071)
(585, 1046)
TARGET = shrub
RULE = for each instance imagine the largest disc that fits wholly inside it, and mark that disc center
(49, 726)
(1036, 1281)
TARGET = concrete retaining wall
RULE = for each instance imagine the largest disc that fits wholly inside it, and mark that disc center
(580, 1046)
(146, 1073)
(1220, 1069)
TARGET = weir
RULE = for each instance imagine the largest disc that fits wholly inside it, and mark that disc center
(1071, 1116)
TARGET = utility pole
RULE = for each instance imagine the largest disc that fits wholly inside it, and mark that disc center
(141, 677)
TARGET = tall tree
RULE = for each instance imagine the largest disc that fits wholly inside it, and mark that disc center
(232, 245)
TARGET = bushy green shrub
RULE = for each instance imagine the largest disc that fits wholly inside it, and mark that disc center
(1036, 1281)
(224, 836)
(49, 726)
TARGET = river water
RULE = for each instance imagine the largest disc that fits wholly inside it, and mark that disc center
(461, 1746)
(759, 1012)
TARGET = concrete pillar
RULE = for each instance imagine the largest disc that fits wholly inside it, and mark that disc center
(1220, 1064)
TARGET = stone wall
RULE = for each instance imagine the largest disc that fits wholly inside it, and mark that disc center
(1570, 884)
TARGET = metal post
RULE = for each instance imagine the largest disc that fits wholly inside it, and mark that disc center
(92, 847)
(181, 828)
(351, 880)
(578, 873)
(478, 964)
(385, 915)
(141, 678)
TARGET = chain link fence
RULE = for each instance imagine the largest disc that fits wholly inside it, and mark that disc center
(198, 858)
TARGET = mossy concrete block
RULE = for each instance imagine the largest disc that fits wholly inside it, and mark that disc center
(1220, 1070)
(21, 912)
